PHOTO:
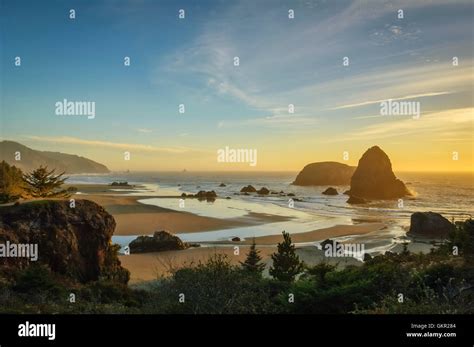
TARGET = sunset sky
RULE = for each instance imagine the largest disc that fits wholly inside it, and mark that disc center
(282, 61)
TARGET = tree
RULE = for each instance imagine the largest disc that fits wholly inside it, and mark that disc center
(11, 182)
(252, 263)
(43, 183)
(286, 263)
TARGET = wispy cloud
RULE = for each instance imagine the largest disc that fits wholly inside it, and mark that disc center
(108, 144)
(406, 97)
(435, 126)
(144, 130)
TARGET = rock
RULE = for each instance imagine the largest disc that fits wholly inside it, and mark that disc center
(374, 178)
(347, 192)
(429, 224)
(206, 195)
(160, 241)
(330, 191)
(183, 195)
(248, 189)
(73, 242)
(228, 197)
(222, 185)
(236, 239)
(356, 200)
(263, 191)
(290, 194)
(324, 174)
(328, 242)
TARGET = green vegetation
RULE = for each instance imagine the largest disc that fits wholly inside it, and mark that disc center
(11, 183)
(286, 264)
(253, 262)
(42, 183)
(439, 282)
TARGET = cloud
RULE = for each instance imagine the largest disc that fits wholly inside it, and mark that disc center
(437, 126)
(371, 102)
(108, 144)
(144, 130)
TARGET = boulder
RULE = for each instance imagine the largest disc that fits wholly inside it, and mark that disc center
(248, 189)
(290, 194)
(324, 174)
(263, 191)
(429, 224)
(374, 178)
(330, 191)
(72, 242)
(160, 241)
(326, 242)
(222, 185)
(236, 239)
(356, 200)
(206, 195)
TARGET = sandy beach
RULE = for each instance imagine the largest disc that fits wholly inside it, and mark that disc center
(135, 218)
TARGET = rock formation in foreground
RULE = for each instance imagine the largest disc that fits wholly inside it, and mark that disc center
(73, 242)
(330, 191)
(160, 241)
(429, 224)
(325, 174)
(374, 178)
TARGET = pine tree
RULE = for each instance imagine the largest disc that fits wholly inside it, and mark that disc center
(286, 263)
(43, 183)
(252, 263)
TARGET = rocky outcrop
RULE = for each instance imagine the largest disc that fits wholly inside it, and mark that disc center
(324, 174)
(248, 189)
(72, 241)
(263, 191)
(330, 191)
(160, 241)
(429, 224)
(206, 195)
(374, 178)
(356, 200)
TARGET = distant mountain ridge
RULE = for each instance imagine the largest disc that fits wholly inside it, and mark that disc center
(31, 159)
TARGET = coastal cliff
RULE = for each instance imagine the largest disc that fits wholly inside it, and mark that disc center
(73, 242)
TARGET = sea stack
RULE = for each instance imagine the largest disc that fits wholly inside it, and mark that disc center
(374, 178)
(324, 174)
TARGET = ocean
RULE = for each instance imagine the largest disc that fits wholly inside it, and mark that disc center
(450, 194)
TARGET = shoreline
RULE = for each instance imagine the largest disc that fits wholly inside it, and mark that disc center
(134, 218)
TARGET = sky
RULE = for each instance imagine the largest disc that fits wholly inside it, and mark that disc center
(282, 61)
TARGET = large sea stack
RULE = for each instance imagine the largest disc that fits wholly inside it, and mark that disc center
(324, 174)
(374, 178)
